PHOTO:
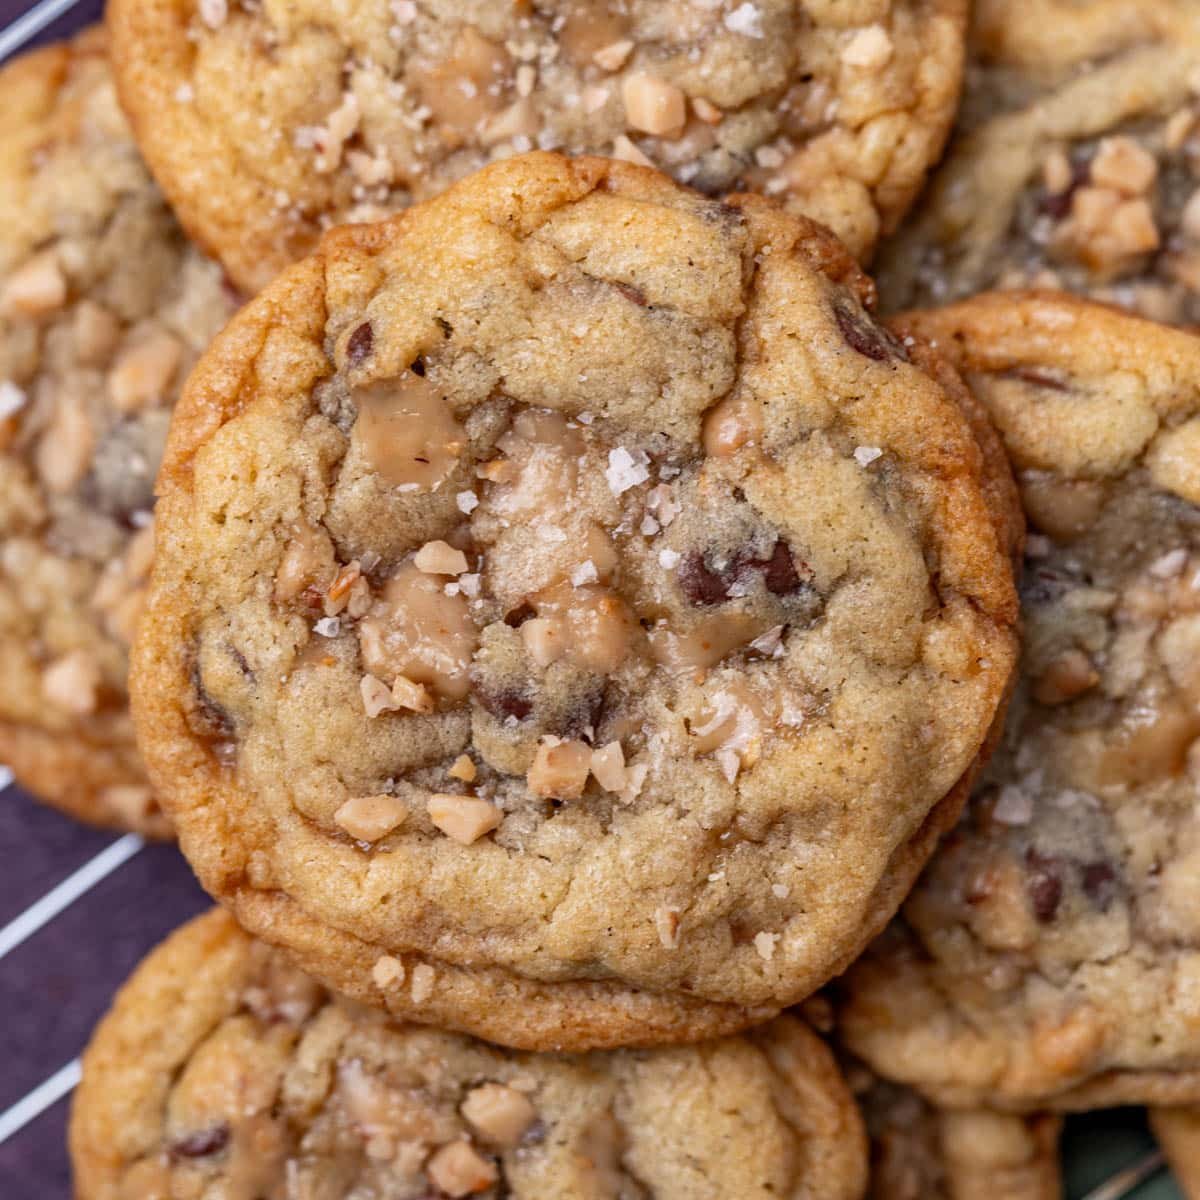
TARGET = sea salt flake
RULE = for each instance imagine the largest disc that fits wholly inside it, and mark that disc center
(626, 470)
(866, 455)
(12, 399)
(328, 627)
(746, 20)
(1013, 807)
(668, 559)
(584, 573)
(467, 502)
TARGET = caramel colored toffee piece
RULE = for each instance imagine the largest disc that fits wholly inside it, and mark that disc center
(103, 308)
(223, 1071)
(567, 588)
(358, 110)
(1048, 957)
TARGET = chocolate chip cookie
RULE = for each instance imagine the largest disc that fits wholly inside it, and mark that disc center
(919, 1152)
(103, 307)
(1076, 165)
(356, 112)
(1049, 956)
(221, 1070)
(567, 583)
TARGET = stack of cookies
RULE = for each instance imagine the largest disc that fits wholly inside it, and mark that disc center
(570, 628)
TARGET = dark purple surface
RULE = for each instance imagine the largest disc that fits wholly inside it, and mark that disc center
(83, 13)
(55, 986)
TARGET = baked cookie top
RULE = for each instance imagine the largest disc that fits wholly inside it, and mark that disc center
(569, 577)
(1049, 955)
(1076, 165)
(221, 1070)
(103, 307)
(359, 110)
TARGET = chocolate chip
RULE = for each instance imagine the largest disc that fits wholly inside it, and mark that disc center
(1099, 884)
(1057, 205)
(202, 1143)
(505, 704)
(417, 367)
(699, 582)
(863, 335)
(779, 571)
(1044, 885)
(361, 343)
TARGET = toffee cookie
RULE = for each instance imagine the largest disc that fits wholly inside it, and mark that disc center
(568, 584)
(103, 307)
(358, 111)
(1076, 166)
(919, 1152)
(1049, 956)
(221, 1070)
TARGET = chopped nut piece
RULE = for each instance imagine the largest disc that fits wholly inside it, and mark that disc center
(765, 943)
(440, 558)
(414, 696)
(1056, 172)
(307, 562)
(500, 1113)
(627, 151)
(464, 818)
(368, 818)
(654, 106)
(735, 422)
(463, 768)
(707, 111)
(560, 769)
(36, 289)
(339, 128)
(543, 640)
(64, 451)
(666, 922)
(608, 766)
(1068, 676)
(131, 801)
(595, 98)
(422, 982)
(519, 119)
(613, 56)
(459, 1170)
(1123, 165)
(869, 48)
(387, 971)
(376, 696)
(143, 372)
(780, 891)
(72, 682)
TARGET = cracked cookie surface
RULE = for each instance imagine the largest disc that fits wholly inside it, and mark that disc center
(358, 111)
(1076, 164)
(568, 584)
(1049, 955)
(222, 1070)
(103, 307)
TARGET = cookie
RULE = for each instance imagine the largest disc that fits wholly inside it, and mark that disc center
(221, 1070)
(1178, 1134)
(103, 307)
(840, 108)
(1076, 165)
(919, 1152)
(1047, 958)
(568, 583)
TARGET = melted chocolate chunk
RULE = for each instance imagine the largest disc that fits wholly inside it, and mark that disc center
(632, 294)
(360, 345)
(863, 335)
(1099, 881)
(1045, 884)
(1057, 205)
(201, 1144)
(779, 571)
(517, 617)
(700, 583)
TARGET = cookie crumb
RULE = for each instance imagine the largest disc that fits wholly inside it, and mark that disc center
(72, 682)
(502, 1114)
(458, 1169)
(376, 696)
(387, 971)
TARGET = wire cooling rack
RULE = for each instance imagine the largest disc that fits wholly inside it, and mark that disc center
(79, 909)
